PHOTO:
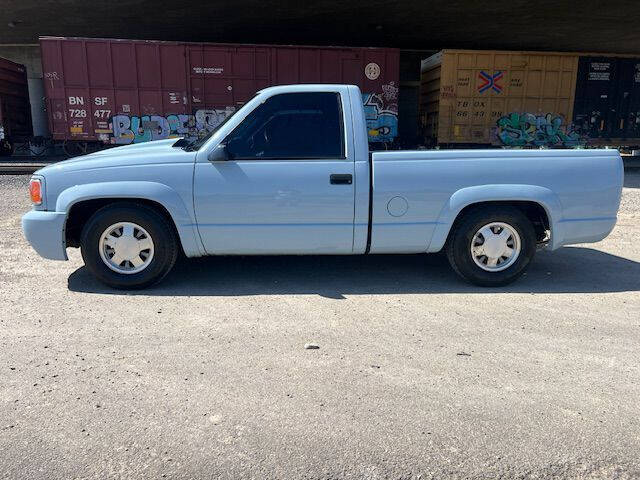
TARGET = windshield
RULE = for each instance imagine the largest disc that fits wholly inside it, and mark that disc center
(196, 144)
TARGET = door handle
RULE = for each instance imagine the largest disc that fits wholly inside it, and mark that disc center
(340, 179)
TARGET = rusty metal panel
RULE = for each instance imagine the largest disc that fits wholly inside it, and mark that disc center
(99, 69)
(124, 91)
(15, 110)
(124, 68)
(499, 98)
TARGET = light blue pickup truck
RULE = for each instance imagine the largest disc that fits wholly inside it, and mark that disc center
(290, 173)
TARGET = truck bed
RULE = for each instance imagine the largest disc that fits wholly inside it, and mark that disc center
(418, 194)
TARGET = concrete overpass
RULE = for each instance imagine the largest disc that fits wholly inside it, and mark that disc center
(590, 25)
(417, 27)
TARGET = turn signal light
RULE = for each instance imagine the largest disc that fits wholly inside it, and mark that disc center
(35, 191)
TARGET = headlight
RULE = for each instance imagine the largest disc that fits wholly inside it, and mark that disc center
(35, 191)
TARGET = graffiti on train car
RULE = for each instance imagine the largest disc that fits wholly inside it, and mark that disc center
(128, 129)
(381, 112)
(527, 129)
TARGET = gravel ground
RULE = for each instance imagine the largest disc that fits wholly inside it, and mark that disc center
(418, 375)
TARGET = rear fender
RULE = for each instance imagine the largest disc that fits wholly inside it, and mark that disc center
(493, 193)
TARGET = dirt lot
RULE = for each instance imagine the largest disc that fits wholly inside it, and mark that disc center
(418, 375)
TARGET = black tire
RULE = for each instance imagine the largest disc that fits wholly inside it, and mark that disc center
(158, 227)
(459, 245)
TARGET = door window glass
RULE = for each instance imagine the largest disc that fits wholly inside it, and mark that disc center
(291, 126)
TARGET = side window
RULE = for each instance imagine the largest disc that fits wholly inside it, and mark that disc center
(290, 126)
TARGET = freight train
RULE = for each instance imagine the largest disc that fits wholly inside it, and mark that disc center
(107, 92)
(15, 111)
(118, 92)
(529, 99)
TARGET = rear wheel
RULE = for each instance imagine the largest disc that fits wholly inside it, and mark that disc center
(129, 246)
(492, 246)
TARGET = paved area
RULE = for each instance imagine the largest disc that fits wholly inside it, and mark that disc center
(418, 375)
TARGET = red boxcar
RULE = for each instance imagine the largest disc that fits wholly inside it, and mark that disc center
(129, 91)
(15, 110)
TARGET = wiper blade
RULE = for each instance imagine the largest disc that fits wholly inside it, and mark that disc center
(182, 143)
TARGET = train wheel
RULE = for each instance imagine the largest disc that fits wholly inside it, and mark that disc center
(74, 148)
(6, 148)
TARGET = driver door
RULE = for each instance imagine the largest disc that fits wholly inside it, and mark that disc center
(287, 187)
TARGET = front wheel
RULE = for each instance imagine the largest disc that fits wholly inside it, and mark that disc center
(492, 246)
(128, 246)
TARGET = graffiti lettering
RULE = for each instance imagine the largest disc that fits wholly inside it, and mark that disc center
(133, 129)
(527, 129)
(381, 113)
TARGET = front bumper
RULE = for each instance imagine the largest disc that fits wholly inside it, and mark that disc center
(45, 232)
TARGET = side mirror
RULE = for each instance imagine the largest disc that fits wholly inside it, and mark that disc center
(219, 154)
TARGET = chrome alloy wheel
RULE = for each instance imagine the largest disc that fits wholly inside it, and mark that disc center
(495, 247)
(126, 248)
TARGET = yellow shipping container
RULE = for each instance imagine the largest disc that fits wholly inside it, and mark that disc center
(498, 98)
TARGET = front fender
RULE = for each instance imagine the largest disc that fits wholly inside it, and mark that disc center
(156, 192)
(493, 193)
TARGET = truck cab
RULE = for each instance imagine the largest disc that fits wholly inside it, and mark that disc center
(282, 175)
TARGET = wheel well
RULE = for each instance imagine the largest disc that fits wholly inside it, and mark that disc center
(81, 212)
(535, 212)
